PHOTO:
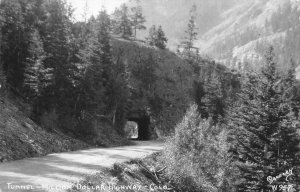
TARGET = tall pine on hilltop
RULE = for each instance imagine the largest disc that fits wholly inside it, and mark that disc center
(161, 38)
(190, 35)
(152, 35)
(157, 37)
(122, 22)
(137, 17)
(266, 139)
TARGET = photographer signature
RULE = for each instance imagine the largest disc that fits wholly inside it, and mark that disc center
(286, 174)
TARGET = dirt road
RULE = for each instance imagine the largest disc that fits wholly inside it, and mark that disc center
(55, 172)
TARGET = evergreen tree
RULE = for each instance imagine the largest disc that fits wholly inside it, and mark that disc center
(137, 18)
(199, 93)
(123, 24)
(103, 36)
(190, 35)
(14, 42)
(267, 142)
(36, 16)
(210, 97)
(290, 89)
(37, 77)
(197, 156)
(106, 59)
(57, 45)
(215, 100)
(96, 60)
(161, 39)
(105, 84)
(152, 35)
(92, 88)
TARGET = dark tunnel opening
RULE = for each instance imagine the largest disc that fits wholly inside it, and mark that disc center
(143, 123)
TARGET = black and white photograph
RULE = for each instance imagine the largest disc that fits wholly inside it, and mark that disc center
(149, 95)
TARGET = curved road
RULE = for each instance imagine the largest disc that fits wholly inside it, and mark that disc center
(55, 172)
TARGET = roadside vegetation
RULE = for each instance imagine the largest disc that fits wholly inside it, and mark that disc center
(242, 137)
(250, 147)
(137, 175)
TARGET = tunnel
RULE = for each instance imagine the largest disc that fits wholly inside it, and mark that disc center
(143, 125)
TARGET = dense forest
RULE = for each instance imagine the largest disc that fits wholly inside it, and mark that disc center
(228, 131)
(74, 75)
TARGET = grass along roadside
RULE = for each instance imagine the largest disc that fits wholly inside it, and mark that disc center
(138, 175)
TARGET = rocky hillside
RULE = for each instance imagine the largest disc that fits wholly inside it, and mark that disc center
(20, 137)
(160, 82)
(163, 84)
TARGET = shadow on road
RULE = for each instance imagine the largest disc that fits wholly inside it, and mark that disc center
(63, 169)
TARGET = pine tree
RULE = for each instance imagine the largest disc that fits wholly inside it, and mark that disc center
(215, 99)
(161, 39)
(210, 96)
(122, 22)
(96, 59)
(190, 35)
(58, 42)
(57, 39)
(137, 18)
(14, 42)
(103, 36)
(93, 90)
(106, 59)
(37, 76)
(152, 35)
(267, 143)
(290, 89)
(199, 94)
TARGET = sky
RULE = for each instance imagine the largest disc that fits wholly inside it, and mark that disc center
(93, 7)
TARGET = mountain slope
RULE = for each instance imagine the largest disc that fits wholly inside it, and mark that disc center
(174, 14)
(233, 32)
(20, 137)
(243, 26)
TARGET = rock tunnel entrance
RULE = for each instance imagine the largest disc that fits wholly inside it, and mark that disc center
(143, 125)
